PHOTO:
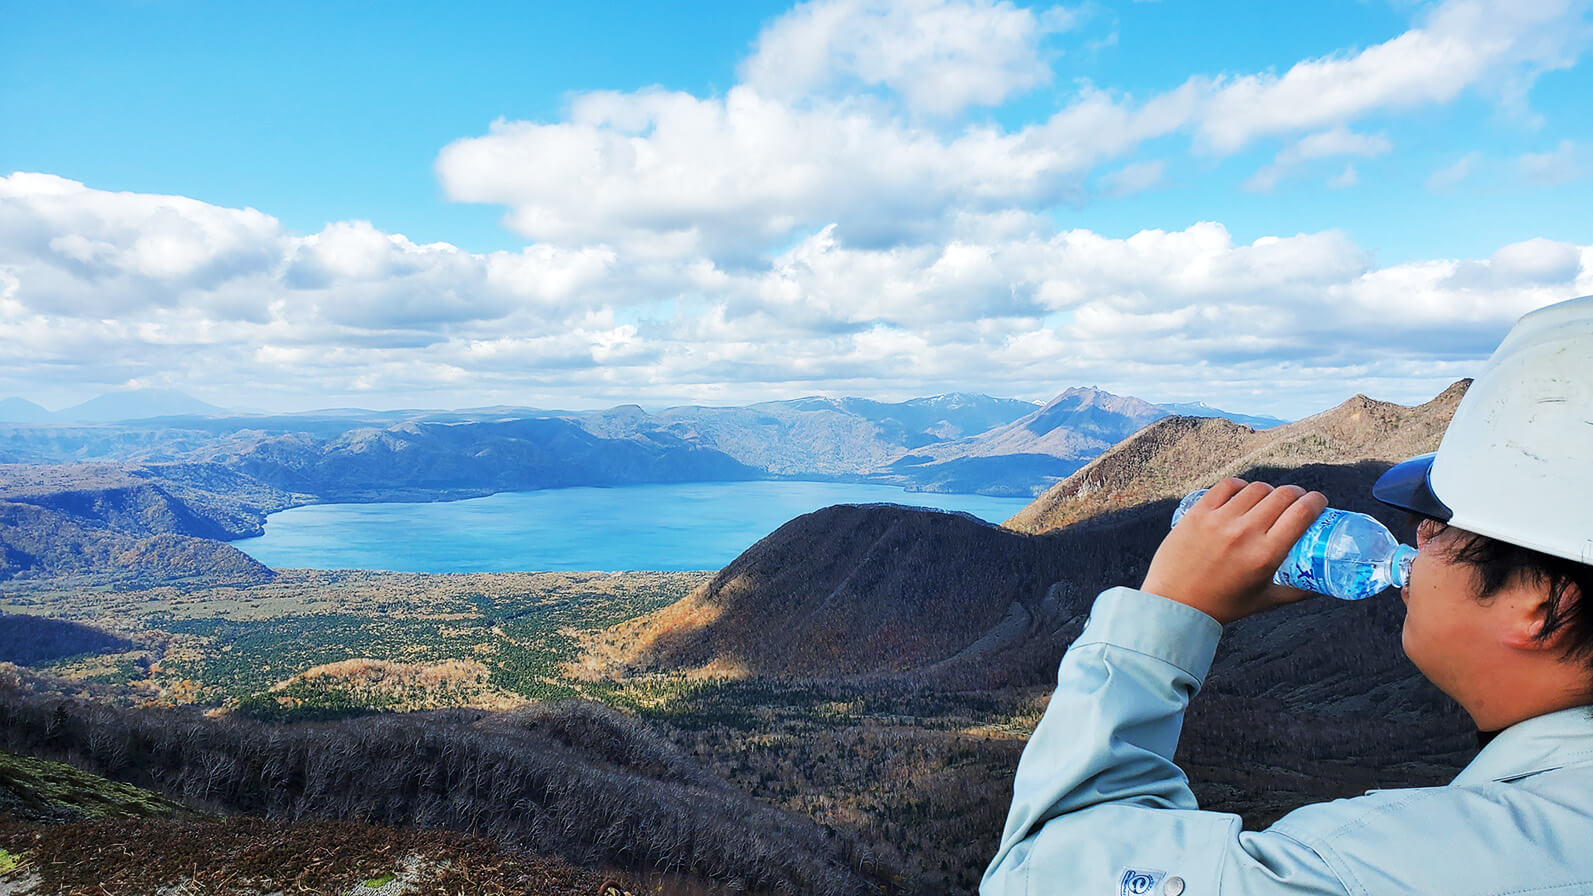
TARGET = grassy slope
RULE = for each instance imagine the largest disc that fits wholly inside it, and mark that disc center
(65, 831)
(37, 789)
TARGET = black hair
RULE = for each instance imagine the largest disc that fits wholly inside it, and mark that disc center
(1500, 563)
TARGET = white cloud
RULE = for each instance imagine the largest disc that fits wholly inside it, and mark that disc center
(1528, 264)
(1565, 163)
(939, 56)
(1328, 144)
(72, 252)
(1345, 179)
(108, 249)
(796, 147)
(1450, 176)
(1498, 46)
(668, 174)
(354, 315)
(1135, 178)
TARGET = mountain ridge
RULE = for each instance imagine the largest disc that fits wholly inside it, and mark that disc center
(142, 522)
(1042, 446)
(1174, 456)
(956, 442)
(1201, 409)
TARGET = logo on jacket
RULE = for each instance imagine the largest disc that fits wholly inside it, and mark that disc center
(1139, 882)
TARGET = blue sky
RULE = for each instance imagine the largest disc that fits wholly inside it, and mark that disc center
(1266, 206)
(319, 112)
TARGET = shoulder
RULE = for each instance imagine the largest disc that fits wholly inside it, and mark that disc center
(1451, 839)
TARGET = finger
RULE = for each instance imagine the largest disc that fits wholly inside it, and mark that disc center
(1297, 518)
(1218, 495)
(1266, 513)
(1247, 498)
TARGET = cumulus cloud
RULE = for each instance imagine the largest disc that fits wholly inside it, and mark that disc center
(939, 56)
(1531, 263)
(1328, 144)
(1499, 46)
(1565, 163)
(354, 315)
(796, 147)
(128, 248)
(667, 173)
(122, 286)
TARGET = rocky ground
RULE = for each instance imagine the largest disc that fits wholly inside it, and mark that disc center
(250, 857)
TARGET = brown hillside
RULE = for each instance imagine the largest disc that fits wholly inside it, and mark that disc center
(1174, 456)
(886, 591)
(850, 589)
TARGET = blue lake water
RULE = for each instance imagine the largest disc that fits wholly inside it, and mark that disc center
(697, 525)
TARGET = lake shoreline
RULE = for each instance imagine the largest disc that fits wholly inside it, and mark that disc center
(611, 528)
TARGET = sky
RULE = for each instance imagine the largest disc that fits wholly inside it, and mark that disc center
(1267, 207)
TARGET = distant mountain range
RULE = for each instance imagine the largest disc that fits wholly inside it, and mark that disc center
(20, 410)
(131, 404)
(151, 499)
(1044, 444)
(1201, 409)
(949, 443)
(943, 416)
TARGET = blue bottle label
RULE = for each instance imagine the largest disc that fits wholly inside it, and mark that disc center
(1306, 566)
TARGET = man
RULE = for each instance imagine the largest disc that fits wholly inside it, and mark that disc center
(1499, 615)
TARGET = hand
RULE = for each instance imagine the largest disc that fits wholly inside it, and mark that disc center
(1221, 556)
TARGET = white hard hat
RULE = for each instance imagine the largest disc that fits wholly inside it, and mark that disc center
(1516, 463)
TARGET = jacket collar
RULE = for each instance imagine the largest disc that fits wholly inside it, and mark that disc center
(1539, 744)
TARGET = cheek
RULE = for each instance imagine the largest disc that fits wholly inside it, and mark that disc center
(1440, 629)
(1416, 634)
(1410, 637)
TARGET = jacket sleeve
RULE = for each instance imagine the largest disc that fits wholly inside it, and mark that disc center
(1098, 806)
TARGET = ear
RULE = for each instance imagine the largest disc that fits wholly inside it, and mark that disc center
(1527, 611)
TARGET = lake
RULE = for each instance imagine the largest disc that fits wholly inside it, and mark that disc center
(671, 526)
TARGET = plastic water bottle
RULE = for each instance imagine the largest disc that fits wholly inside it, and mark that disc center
(1344, 554)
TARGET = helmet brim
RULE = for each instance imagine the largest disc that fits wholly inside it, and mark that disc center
(1408, 486)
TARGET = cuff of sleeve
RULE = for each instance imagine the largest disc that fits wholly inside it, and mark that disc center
(1155, 626)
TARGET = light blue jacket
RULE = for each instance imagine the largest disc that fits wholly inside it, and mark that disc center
(1099, 808)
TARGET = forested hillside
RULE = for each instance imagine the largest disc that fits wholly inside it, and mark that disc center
(132, 522)
(569, 779)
